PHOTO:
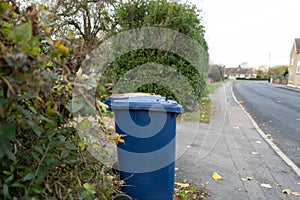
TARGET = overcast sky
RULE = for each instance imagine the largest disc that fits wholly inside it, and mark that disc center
(240, 31)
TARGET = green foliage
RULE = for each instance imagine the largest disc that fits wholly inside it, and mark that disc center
(41, 154)
(202, 114)
(204, 111)
(278, 71)
(211, 88)
(184, 18)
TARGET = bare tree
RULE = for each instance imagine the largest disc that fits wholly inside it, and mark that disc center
(216, 73)
(86, 19)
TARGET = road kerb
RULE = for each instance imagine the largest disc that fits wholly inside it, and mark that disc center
(284, 157)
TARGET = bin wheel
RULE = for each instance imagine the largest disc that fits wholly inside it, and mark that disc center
(122, 197)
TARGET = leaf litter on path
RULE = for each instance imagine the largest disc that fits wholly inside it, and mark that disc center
(265, 185)
(216, 176)
(247, 179)
(254, 153)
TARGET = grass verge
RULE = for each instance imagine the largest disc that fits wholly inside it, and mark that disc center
(204, 112)
(210, 89)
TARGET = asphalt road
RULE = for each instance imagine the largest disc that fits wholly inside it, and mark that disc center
(276, 110)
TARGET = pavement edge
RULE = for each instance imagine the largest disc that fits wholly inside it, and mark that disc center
(284, 157)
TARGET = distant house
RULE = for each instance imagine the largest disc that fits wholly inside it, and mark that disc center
(239, 72)
(294, 67)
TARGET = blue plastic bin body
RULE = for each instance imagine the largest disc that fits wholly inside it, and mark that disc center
(147, 158)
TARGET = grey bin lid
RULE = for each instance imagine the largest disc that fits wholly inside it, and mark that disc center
(153, 103)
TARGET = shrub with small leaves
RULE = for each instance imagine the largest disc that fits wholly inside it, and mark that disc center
(41, 154)
(181, 17)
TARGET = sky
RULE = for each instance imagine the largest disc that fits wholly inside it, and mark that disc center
(250, 32)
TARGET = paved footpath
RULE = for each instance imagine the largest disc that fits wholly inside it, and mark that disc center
(232, 146)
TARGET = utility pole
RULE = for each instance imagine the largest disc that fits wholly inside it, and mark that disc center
(269, 67)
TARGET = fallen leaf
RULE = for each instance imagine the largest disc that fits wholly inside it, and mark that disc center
(241, 102)
(216, 176)
(287, 191)
(266, 185)
(182, 185)
(195, 196)
(269, 135)
(297, 194)
(254, 153)
(247, 179)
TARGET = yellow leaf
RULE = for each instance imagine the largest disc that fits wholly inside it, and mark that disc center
(216, 176)
(182, 185)
(247, 179)
(191, 191)
(117, 138)
(71, 35)
(49, 64)
(121, 140)
(287, 191)
(269, 135)
(81, 145)
(61, 48)
(48, 30)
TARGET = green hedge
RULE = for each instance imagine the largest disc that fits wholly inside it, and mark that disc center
(180, 17)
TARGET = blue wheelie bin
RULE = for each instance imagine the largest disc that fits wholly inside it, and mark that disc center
(147, 157)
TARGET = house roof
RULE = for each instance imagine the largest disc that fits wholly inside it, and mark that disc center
(297, 45)
(238, 70)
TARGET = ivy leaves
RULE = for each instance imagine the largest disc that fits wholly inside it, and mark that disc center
(22, 34)
(7, 134)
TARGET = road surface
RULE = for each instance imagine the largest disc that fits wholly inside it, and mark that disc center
(276, 110)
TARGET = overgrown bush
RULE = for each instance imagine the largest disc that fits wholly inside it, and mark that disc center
(41, 155)
(181, 17)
